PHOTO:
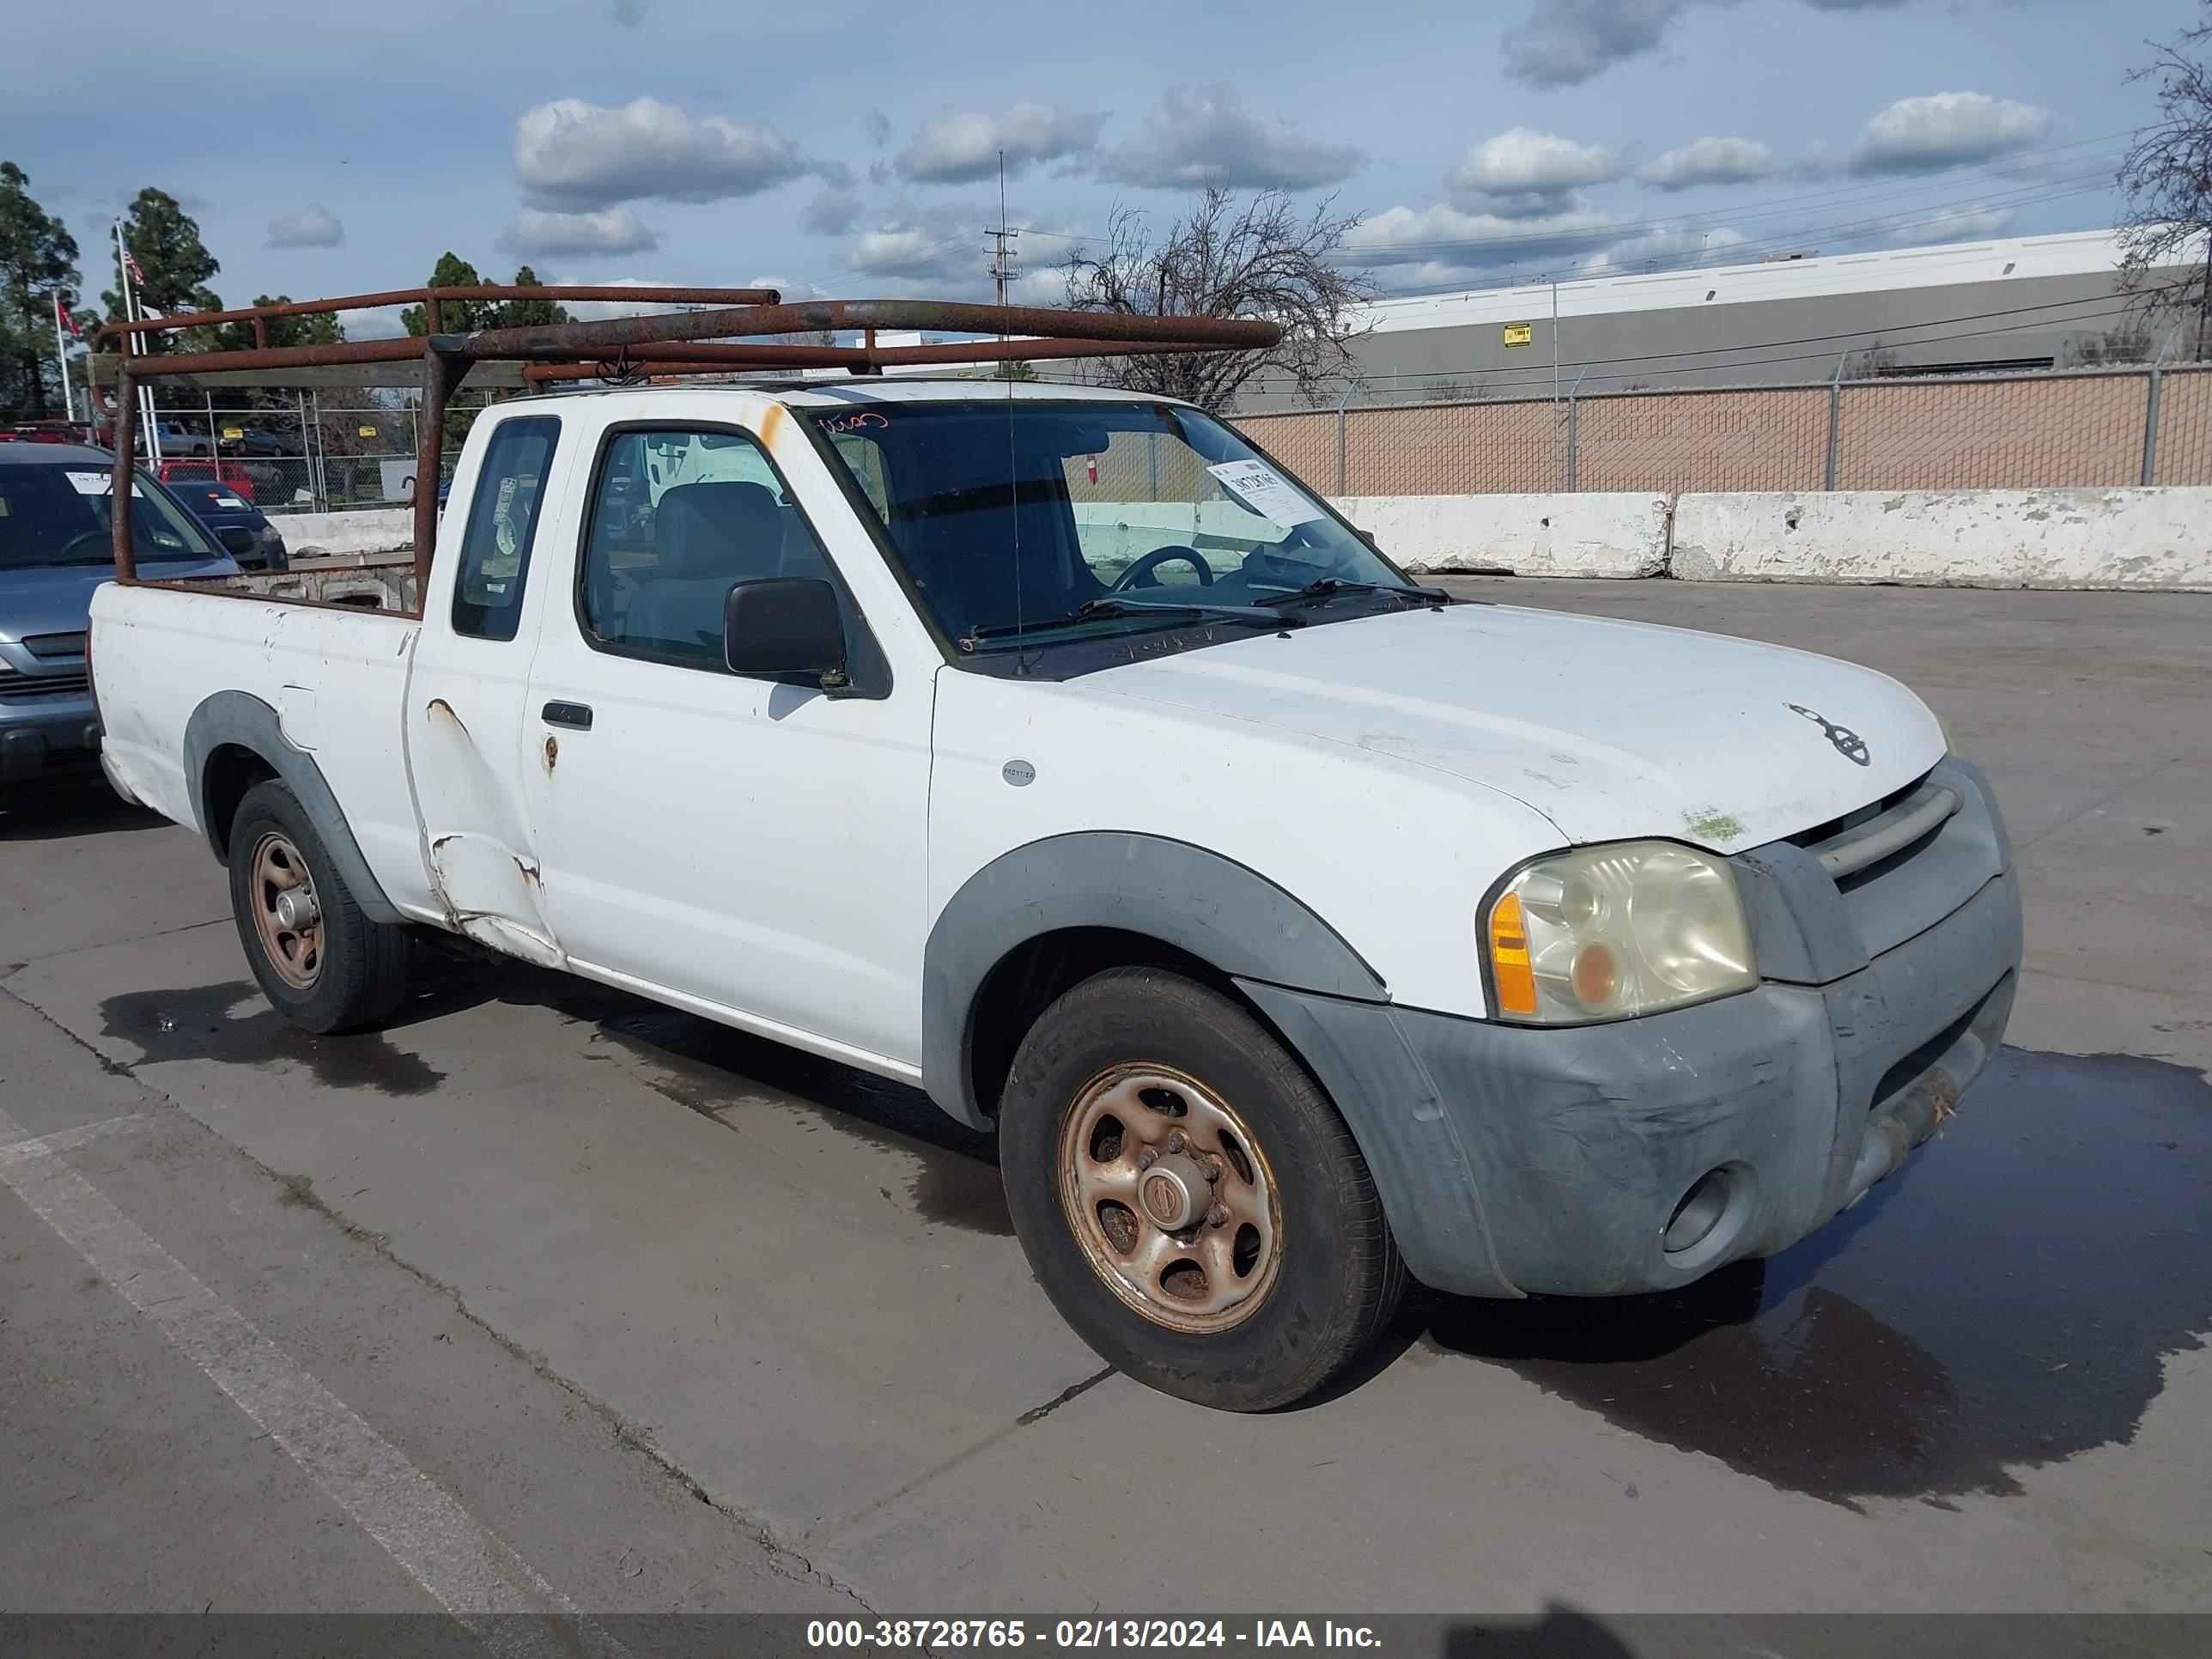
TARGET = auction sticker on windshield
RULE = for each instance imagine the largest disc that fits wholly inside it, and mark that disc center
(1266, 491)
(90, 483)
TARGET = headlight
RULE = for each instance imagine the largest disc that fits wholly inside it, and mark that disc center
(1604, 932)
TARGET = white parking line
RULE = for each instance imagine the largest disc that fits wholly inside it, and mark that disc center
(465, 1567)
(30, 1146)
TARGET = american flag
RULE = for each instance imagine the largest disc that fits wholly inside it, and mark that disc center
(131, 265)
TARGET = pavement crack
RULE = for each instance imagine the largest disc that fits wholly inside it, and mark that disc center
(1061, 1399)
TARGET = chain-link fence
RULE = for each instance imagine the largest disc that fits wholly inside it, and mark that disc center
(2088, 429)
(298, 455)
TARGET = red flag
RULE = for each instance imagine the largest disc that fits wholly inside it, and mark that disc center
(68, 317)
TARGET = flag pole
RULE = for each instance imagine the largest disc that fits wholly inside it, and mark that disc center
(61, 356)
(137, 344)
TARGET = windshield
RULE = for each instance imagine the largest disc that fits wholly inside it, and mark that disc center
(1010, 515)
(57, 514)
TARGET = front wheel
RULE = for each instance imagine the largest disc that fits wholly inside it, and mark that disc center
(322, 964)
(1188, 1197)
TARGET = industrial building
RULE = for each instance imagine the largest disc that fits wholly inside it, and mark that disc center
(2018, 304)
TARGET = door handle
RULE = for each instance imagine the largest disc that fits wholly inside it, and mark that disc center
(577, 714)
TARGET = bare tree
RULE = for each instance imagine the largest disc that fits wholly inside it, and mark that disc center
(1230, 256)
(2166, 178)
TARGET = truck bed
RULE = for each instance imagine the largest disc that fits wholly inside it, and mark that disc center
(333, 668)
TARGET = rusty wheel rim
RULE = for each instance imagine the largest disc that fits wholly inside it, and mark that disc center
(1170, 1196)
(286, 915)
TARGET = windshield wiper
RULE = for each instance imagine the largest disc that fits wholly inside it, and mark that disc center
(1326, 587)
(1099, 609)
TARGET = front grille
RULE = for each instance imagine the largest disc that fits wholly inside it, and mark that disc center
(1903, 863)
(24, 688)
(47, 647)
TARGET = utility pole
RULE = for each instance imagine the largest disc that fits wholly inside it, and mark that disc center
(1003, 257)
(1555, 337)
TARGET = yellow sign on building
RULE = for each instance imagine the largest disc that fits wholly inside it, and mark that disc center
(1518, 334)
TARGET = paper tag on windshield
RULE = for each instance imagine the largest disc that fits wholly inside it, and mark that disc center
(1266, 491)
(89, 483)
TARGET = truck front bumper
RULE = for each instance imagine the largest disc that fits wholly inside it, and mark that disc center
(38, 737)
(1641, 1155)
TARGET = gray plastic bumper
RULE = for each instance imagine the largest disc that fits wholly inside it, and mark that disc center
(1514, 1161)
(32, 745)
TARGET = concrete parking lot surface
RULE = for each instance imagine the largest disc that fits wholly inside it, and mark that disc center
(644, 1313)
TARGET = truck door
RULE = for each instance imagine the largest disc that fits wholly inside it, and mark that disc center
(468, 742)
(754, 844)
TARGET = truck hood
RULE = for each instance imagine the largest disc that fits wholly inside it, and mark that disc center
(1609, 729)
(57, 598)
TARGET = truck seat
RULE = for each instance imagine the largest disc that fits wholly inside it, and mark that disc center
(706, 536)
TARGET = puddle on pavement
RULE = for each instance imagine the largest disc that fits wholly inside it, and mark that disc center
(2004, 1300)
(205, 1023)
(722, 1074)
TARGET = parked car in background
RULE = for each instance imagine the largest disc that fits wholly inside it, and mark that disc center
(231, 475)
(54, 553)
(254, 441)
(178, 438)
(48, 432)
(242, 528)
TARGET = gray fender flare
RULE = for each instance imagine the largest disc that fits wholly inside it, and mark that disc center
(242, 719)
(1215, 908)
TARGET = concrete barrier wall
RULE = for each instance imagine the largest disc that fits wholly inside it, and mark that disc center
(1592, 534)
(2158, 538)
(2146, 538)
(362, 530)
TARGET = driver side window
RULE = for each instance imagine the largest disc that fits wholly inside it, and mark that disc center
(678, 516)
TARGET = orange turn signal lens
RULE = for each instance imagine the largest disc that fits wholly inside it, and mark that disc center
(1509, 958)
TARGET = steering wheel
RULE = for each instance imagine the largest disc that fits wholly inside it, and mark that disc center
(98, 537)
(1140, 574)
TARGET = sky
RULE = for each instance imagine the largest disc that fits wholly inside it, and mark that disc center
(853, 149)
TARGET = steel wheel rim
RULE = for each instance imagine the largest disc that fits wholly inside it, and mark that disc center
(1144, 1141)
(294, 948)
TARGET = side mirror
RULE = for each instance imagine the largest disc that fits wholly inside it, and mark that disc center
(785, 625)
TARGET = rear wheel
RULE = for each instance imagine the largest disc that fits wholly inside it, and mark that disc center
(322, 964)
(1188, 1197)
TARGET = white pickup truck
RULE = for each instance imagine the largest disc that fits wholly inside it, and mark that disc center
(1298, 928)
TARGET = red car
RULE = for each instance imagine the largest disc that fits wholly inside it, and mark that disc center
(230, 475)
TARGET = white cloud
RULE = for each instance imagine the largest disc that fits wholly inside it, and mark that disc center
(1563, 43)
(1204, 135)
(832, 213)
(534, 232)
(1964, 224)
(1475, 242)
(1671, 245)
(313, 226)
(1713, 162)
(371, 325)
(965, 147)
(1948, 129)
(570, 153)
(1522, 174)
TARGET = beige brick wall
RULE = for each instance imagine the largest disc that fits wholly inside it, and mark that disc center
(2024, 432)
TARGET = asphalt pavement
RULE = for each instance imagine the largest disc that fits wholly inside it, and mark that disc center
(549, 1299)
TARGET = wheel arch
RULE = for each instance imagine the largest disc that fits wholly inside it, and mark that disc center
(1039, 918)
(234, 741)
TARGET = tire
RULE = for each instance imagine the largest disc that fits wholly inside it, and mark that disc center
(1304, 1260)
(342, 972)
